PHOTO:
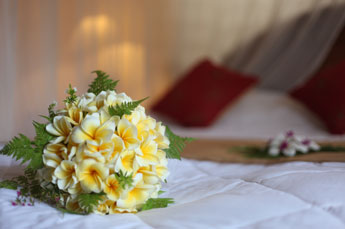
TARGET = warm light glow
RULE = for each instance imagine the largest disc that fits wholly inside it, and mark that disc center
(96, 24)
(128, 61)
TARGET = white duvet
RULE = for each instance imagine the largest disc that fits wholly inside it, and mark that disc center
(212, 195)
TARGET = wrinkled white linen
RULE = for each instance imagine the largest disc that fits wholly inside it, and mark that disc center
(211, 195)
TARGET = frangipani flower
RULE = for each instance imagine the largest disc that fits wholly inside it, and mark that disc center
(91, 175)
(103, 208)
(147, 152)
(137, 115)
(66, 174)
(110, 98)
(87, 103)
(289, 144)
(117, 99)
(129, 134)
(146, 127)
(100, 99)
(75, 115)
(127, 162)
(162, 168)
(161, 139)
(98, 151)
(114, 209)
(61, 128)
(112, 188)
(105, 98)
(91, 129)
(119, 146)
(53, 154)
(310, 144)
(104, 116)
(149, 175)
(104, 148)
(137, 195)
(161, 171)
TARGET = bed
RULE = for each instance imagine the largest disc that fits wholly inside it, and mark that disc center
(261, 114)
(223, 195)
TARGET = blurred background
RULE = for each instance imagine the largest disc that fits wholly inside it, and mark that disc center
(148, 45)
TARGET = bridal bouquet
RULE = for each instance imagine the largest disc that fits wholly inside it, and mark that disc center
(100, 153)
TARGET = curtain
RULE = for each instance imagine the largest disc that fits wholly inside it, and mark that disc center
(148, 44)
(281, 41)
(47, 44)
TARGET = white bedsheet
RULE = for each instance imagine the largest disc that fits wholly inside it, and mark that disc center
(212, 195)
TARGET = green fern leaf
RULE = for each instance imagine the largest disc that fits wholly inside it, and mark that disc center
(36, 161)
(125, 108)
(9, 184)
(41, 140)
(177, 144)
(32, 187)
(42, 136)
(20, 148)
(331, 148)
(124, 179)
(102, 83)
(89, 201)
(157, 203)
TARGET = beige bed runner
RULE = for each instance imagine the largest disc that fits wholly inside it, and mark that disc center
(223, 151)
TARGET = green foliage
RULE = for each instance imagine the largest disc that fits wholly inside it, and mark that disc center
(177, 144)
(124, 179)
(72, 97)
(157, 203)
(101, 83)
(262, 152)
(88, 201)
(41, 140)
(331, 148)
(30, 186)
(125, 108)
(51, 113)
(253, 152)
(42, 136)
(9, 184)
(22, 148)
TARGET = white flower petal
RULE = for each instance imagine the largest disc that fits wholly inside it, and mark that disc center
(50, 129)
(90, 124)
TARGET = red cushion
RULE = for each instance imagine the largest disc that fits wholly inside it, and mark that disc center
(200, 96)
(324, 94)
